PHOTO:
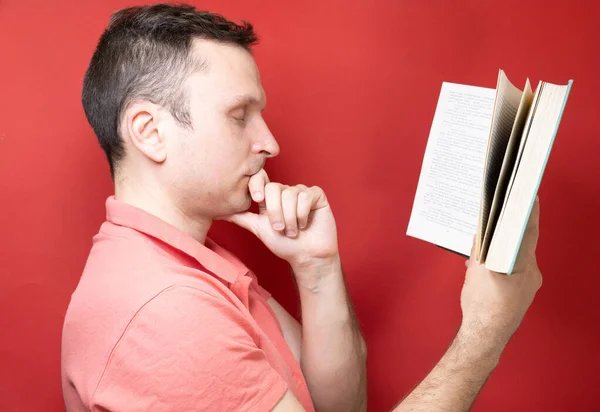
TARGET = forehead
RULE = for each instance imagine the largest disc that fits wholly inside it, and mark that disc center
(229, 71)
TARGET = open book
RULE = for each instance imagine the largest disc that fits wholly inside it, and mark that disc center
(484, 161)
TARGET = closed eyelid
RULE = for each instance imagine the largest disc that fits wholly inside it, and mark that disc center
(239, 111)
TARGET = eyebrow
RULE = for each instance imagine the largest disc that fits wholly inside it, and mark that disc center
(245, 99)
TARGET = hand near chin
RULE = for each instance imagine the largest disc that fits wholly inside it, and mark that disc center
(295, 222)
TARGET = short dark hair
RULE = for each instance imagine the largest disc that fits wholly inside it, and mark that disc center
(144, 53)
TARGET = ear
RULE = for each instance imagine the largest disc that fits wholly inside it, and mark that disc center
(145, 131)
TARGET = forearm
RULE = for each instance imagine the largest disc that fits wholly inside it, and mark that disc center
(333, 351)
(454, 383)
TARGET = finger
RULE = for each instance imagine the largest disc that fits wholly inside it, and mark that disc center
(289, 205)
(273, 204)
(313, 198)
(318, 196)
(472, 254)
(532, 230)
(534, 218)
(257, 184)
(247, 220)
(262, 208)
(304, 207)
(530, 238)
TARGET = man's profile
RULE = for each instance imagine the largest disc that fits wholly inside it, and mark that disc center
(165, 319)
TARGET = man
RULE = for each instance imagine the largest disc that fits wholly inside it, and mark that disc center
(163, 318)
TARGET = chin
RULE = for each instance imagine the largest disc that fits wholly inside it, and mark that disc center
(235, 200)
(246, 203)
(240, 203)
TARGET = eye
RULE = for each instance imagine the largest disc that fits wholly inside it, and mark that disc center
(239, 115)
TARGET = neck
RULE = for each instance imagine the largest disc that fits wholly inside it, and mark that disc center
(152, 199)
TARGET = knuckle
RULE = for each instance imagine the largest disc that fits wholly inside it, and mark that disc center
(289, 193)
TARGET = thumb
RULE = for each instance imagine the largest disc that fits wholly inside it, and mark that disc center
(472, 256)
(247, 220)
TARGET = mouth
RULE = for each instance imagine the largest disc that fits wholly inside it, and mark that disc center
(255, 170)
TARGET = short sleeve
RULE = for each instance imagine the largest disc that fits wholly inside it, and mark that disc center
(188, 350)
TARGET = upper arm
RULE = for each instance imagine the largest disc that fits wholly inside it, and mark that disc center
(292, 331)
(188, 350)
(288, 404)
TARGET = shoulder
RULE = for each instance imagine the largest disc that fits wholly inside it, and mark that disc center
(192, 308)
(189, 345)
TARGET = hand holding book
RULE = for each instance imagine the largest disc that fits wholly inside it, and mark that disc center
(484, 161)
(493, 305)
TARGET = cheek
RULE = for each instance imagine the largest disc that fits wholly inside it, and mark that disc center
(235, 148)
(231, 157)
(218, 155)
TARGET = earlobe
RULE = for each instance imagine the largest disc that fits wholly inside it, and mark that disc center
(143, 127)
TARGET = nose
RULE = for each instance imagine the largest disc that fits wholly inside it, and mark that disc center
(265, 143)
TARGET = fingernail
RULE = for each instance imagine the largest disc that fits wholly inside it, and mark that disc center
(278, 226)
(291, 233)
(258, 196)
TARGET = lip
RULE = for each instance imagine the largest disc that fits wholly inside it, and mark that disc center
(255, 171)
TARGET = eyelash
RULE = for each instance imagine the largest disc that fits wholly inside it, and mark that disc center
(241, 120)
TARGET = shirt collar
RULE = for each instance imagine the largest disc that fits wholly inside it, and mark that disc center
(210, 256)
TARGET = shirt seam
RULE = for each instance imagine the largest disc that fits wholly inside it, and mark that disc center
(126, 329)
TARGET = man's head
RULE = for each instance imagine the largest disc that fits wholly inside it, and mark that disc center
(175, 99)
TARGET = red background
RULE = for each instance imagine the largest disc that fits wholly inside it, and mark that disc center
(352, 88)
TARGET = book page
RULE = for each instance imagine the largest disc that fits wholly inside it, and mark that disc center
(536, 98)
(506, 105)
(446, 205)
(508, 165)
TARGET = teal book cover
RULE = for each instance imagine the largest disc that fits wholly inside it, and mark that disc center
(541, 174)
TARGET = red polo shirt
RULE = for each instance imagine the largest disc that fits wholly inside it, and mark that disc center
(162, 322)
